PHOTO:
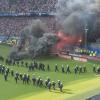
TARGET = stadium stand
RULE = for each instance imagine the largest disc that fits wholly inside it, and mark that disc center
(13, 25)
(27, 5)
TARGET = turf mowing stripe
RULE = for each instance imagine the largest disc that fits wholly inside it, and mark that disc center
(69, 91)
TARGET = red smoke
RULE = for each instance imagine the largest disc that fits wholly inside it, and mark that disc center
(65, 40)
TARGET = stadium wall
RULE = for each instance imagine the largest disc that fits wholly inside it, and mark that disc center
(80, 58)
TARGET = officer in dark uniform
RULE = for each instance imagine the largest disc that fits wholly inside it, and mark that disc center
(61, 86)
(41, 82)
(43, 67)
(16, 76)
(3, 69)
(76, 69)
(46, 83)
(94, 68)
(0, 68)
(36, 65)
(48, 79)
(17, 63)
(80, 69)
(62, 67)
(48, 67)
(32, 65)
(21, 76)
(12, 72)
(40, 66)
(59, 82)
(26, 64)
(28, 79)
(22, 63)
(5, 76)
(13, 62)
(49, 85)
(7, 70)
(56, 68)
(68, 69)
(33, 79)
(53, 84)
(24, 78)
(84, 69)
(37, 81)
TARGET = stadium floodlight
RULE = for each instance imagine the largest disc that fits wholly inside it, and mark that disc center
(86, 31)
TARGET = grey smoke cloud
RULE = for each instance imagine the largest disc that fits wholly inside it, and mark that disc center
(75, 14)
(34, 40)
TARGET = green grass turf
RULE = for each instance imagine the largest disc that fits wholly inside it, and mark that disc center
(10, 89)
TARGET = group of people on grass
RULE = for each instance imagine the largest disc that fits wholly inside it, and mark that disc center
(77, 69)
(38, 81)
(26, 79)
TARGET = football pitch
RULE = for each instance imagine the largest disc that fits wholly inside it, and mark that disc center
(76, 87)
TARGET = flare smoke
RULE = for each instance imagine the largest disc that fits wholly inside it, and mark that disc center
(74, 15)
(35, 40)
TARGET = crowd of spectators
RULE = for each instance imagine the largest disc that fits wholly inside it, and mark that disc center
(13, 25)
(22, 6)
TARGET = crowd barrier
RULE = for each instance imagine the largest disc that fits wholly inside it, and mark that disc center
(80, 58)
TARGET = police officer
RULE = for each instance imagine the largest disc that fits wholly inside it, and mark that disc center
(56, 68)
(17, 63)
(84, 69)
(75, 70)
(37, 81)
(7, 70)
(53, 84)
(62, 67)
(48, 79)
(35, 64)
(33, 79)
(24, 78)
(12, 72)
(46, 83)
(61, 86)
(48, 67)
(59, 83)
(68, 69)
(49, 86)
(26, 64)
(41, 82)
(3, 69)
(22, 63)
(28, 79)
(43, 67)
(40, 66)
(80, 69)
(13, 62)
(16, 76)
(94, 68)
(5, 76)
(21, 76)
(98, 69)
(0, 68)
(30, 67)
